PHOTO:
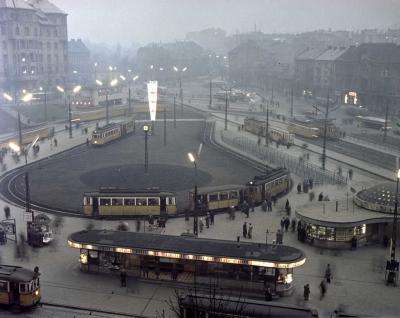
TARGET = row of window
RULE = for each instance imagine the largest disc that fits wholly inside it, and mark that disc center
(151, 201)
(112, 132)
(27, 31)
(223, 195)
(335, 234)
(29, 287)
(36, 45)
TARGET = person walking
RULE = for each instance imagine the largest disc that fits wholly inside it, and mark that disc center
(306, 292)
(287, 223)
(212, 218)
(250, 232)
(245, 229)
(208, 221)
(123, 277)
(322, 288)
(287, 204)
(282, 224)
(201, 224)
(269, 203)
(328, 274)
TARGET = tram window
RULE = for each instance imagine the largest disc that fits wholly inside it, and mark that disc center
(171, 201)
(3, 286)
(116, 201)
(233, 195)
(223, 195)
(153, 201)
(22, 287)
(105, 201)
(87, 201)
(141, 201)
(130, 201)
(213, 197)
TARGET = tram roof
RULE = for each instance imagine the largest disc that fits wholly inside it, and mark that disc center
(16, 273)
(257, 254)
(273, 174)
(224, 187)
(117, 192)
(107, 127)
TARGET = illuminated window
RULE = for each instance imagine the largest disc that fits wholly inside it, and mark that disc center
(233, 195)
(105, 201)
(153, 201)
(116, 201)
(129, 201)
(141, 201)
(213, 197)
(223, 195)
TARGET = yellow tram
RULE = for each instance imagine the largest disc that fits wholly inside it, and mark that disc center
(111, 132)
(19, 286)
(114, 202)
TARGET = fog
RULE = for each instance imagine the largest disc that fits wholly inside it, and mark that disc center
(127, 21)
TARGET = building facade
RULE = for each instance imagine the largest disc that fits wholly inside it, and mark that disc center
(80, 67)
(34, 45)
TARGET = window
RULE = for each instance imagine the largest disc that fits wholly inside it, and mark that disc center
(105, 201)
(86, 201)
(17, 30)
(26, 31)
(170, 201)
(141, 201)
(233, 195)
(116, 201)
(213, 197)
(129, 201)
(154, 201)
(4, 286)
(223, 195)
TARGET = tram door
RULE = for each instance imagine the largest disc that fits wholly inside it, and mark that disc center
(163, 205)
(95, 205)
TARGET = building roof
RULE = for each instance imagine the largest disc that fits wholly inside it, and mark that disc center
(277, 256)
(331, 54)
(77, 46)
(380, 52)
(310, 54)
(46, 6)
(15, 4)
(380, 197)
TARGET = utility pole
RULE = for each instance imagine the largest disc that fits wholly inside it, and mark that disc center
(386, 120)
(19, 130)
(181, 93)
(325, 131)
(226, 109)
(129, 100)
(267, 127)
(69, 116)
(45, 105)
(210, 106)
(165, 127)
(107, 111)
(174, 111)
(291, 101)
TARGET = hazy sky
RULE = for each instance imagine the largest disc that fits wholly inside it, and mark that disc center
(144, 21)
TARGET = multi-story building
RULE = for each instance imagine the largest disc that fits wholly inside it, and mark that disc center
(34, 45)
(80, 67)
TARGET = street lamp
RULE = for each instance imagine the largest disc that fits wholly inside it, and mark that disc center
(45, 101)
(18, 149)
(129, 90)
(146, 155)
(392, 266)
(76, 89)
(180, 83)
(112, 83)
(195, 217)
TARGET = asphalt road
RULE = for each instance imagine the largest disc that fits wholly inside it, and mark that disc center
(60, 182)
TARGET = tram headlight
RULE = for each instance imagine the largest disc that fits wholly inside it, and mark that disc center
(37, 292)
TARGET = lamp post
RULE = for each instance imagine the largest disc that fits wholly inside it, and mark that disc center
(129, 93)
(45, 102)
(174, 111)
(112, 83)
(146, 155)
(165, 127)
(76, 89)
(18, 148)
(267, 127)
(195, 217)
(392, 266)
(180, 83)
(210, 105)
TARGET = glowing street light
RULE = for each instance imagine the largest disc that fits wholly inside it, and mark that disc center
(122, 77)
(98, 82)
(76, 89)
(7, 97)
(60, 89)
(114, 82)
(191, 157)
(27, 97)
(135, 77)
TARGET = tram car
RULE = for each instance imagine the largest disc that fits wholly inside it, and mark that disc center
(19, 286)
(268, 186)
(114, 202)
(304, 131)
(257, 127)
(28, 136)
(218, 197)
(110, 132)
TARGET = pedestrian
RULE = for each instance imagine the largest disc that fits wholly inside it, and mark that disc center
(311, 183)
(201, 223)
(306, 291)
(212, 217)
(354, 242)
(264, 206)
(269, 205)
(322, 288)
(268, 294)
(55, 142)
(282, 224)
(321, 196)
(287, 223)
(293, 225)
(123, 277)
(252, 205)
(328, 274)
(287, 204)
(299, 188)
(87, 142)
(245, 229)
(247, 211)
(250, 232)
(279, 237)
(208, 221)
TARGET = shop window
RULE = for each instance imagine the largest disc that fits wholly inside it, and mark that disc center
(116, 201)
(141, 201)
(223, 195)
(105, 201)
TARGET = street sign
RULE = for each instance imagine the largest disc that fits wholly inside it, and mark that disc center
(28, 216)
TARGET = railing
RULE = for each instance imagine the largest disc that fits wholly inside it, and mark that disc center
(278, 158)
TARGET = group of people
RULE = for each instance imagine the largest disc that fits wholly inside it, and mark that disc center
(305, 186)
(323, 287)
(247, 230)
(209, 219)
